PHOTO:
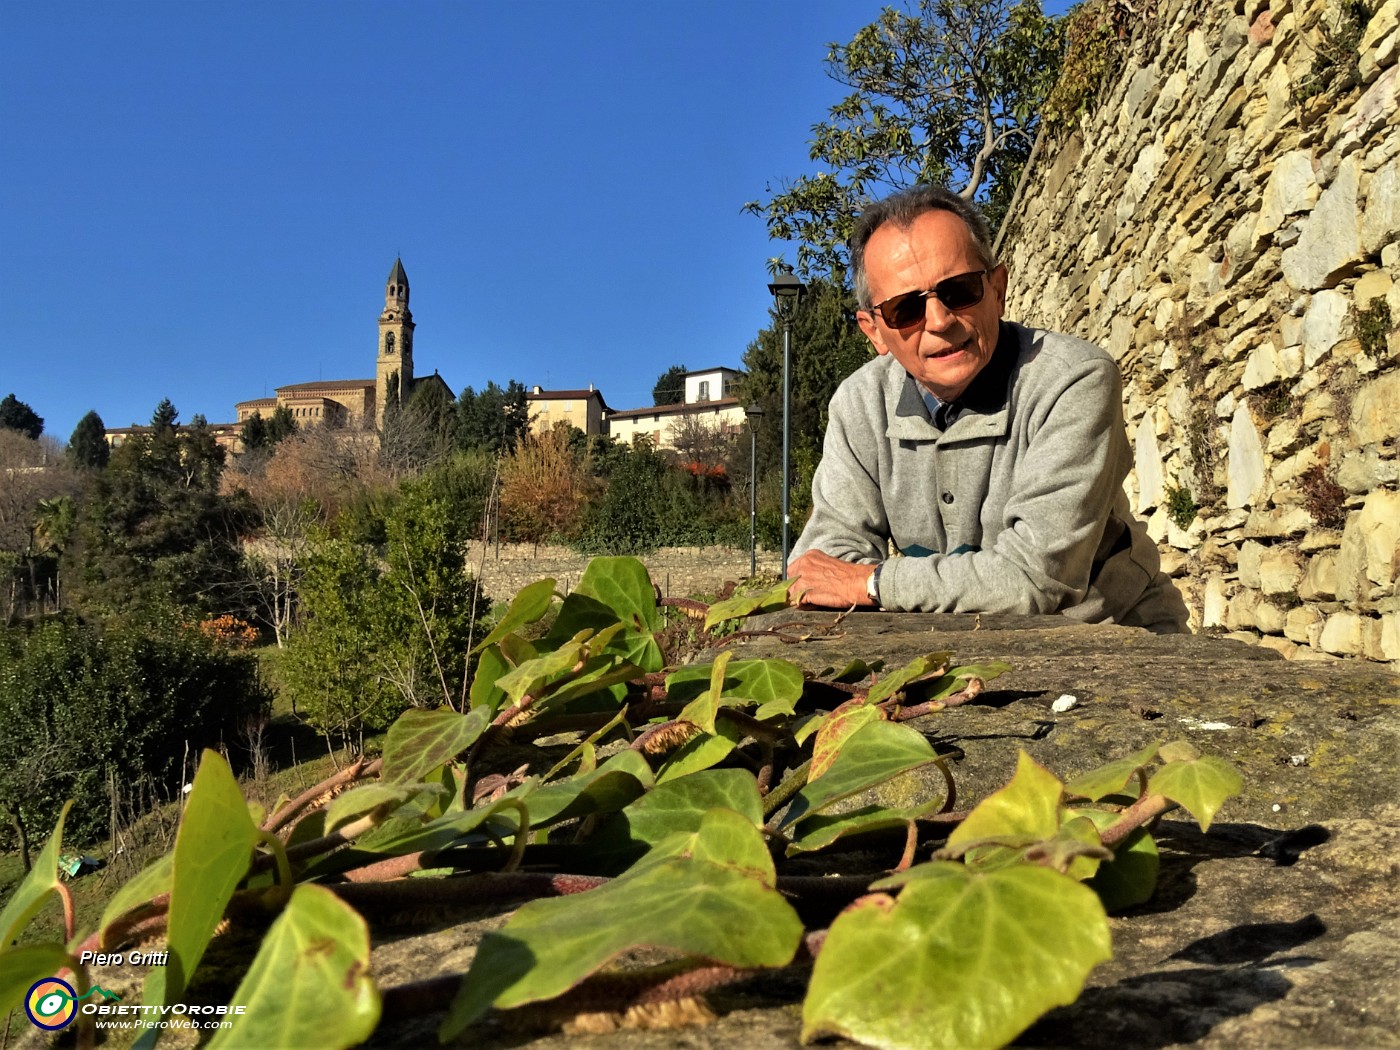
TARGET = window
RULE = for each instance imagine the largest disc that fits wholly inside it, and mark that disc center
(704, 390)
(388, 342)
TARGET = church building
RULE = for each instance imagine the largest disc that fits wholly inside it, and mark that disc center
(357, 403)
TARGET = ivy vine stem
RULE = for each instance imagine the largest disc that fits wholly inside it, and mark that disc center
(361, 769)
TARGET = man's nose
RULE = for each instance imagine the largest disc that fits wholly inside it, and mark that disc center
(937, 317)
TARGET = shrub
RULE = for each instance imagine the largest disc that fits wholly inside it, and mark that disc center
(85, 711)
(1324, 499)
(1181, 506)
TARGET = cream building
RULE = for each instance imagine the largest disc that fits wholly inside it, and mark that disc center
(708, 403)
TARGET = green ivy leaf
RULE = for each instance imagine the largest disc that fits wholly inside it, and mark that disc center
(213, 847)
(822, 830)
(836, 728)
(746, 604)
(919, 668)
(1130, 878)
(1112, 778)
(745, 681)
(612, 590)
(368, 797)
(701, 752)
(607, 789)
(701, 711)
(21, 966)
(1024, 812)
(1200, 785)
(870, 756)
(961, 959)
(491, 667)
(723, 837)
(710, 908)
(678, 805)
(310, 983)
(528, 606)
(42, 880)
(422, 740)
(529, 677)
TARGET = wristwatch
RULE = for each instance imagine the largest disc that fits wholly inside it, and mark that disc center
(872, 584)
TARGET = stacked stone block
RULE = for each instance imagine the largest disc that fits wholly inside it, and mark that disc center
(1226, 228)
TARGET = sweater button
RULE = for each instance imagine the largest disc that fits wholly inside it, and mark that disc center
(947, 497)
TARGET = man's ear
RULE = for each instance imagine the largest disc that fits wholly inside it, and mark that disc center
(999, 278)
(872, 331)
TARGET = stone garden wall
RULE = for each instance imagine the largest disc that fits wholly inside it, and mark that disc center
(1225, 224)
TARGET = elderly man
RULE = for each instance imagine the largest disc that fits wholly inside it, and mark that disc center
(989, 455)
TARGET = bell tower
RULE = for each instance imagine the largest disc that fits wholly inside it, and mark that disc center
(393, 375)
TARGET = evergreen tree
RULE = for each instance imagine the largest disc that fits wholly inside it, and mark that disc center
(155, 531)
(282, 425)
(494, 419)
(670, 387)
(87, 447)
(16, 415)
(253, 434)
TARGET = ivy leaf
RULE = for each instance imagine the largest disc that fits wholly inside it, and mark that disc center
(762, 681)
(422, 740)
(1112, 778)
(701, 752)
(485, 693)
(1130, 878)
(855, 671)
(961, 959)
(528, 606)
(713, 908)
(822, 830)
(918, 668)
(530, 676)
(875, 753)
(677, 805)
(213, 847)
(369, 797)
(21, 966)
(747, 604)
(310, 983)
(613, 590)
(836, 728)
(607, 789)
(42, 880)
(1024, 812)
(1200, 785)
(723, 837)
(701, 711)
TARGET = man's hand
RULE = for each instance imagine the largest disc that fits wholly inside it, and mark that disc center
(828, 582)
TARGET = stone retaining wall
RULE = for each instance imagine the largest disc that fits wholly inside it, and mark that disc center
(1233, 244)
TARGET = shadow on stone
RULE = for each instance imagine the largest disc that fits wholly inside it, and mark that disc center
(1252, 942)
(1159, 1009)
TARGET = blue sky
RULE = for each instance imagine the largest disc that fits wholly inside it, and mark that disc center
(201, 200)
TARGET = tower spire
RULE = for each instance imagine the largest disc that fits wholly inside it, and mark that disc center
(393, 377)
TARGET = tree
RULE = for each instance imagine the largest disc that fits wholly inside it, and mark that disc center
(945, 92)
(670, 387)
(542, 487)
(494, 419)
(16, 415)
(87, 447)
(253, 433)
(155, 530)
(282, 425)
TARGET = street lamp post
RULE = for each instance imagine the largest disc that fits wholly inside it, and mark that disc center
(786, 289)
(753, 413)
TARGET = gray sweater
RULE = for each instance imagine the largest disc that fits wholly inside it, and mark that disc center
(1018, 507)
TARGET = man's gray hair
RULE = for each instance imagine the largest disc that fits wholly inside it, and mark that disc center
(902, 209)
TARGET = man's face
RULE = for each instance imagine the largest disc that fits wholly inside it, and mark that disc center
(949, 347)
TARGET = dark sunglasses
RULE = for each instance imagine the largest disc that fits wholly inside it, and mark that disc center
(956, 293)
